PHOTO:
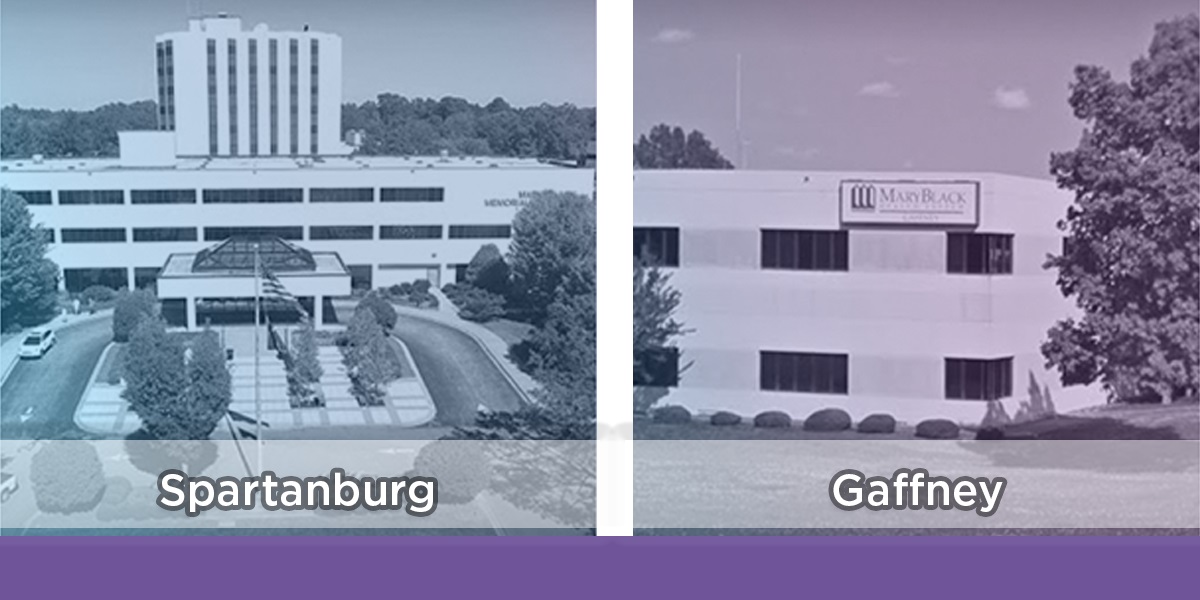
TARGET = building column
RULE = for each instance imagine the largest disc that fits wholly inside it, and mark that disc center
(191, 313)
(318, 311)
(129, 279)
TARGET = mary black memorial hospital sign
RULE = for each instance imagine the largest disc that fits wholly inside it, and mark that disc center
(954, 203)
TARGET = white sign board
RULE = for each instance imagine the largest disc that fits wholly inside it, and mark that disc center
(876, 202)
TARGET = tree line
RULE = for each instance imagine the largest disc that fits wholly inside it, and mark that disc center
(391, 125)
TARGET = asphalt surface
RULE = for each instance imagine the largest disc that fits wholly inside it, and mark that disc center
(53, 384)
(459, 374)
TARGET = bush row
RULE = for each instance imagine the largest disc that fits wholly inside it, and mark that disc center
(826, 419)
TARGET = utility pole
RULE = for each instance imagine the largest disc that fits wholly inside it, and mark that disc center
(737, 114)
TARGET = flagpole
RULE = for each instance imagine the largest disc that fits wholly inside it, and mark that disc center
(257, 400)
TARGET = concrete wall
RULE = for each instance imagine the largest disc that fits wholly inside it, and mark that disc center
(896, 312)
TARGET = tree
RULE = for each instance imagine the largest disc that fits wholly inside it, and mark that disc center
(668, 148)
(156, 379)
(382, 310)
(563, 348)
(28, 280)
(1131, 259)
(210, 390)
(552, 237)
(488, 271)
(67, 477)
(132, 307)
(654, 326)
(305, 367)
(364, 355)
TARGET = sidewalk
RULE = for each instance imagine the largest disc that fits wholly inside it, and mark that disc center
(10, 350)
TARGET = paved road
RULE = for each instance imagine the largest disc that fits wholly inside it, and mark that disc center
(53, 384)
(459, 375)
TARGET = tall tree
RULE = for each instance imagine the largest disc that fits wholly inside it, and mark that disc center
(1131, 259)
(553, 243)
(668, 148)
(654, 327)
(210, 390)
(28, 280)
(156, 379)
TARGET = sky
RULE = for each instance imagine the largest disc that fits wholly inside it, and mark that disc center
(931, 85)
(84, 53)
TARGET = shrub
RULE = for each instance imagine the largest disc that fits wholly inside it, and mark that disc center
(304, 367)
(877, 423)
(364, 354)
(672, 415)
(488, 271)
(773, 419)
(421, 286)
(97, 294)
(382, 310)
(462, 469)
(67, 477)
(828, 419)
(479, 305)
(132, 307)
(937, 429)
(725, 419)
(989, 433)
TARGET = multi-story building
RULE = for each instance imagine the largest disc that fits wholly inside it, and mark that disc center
(228, 92)
(915, 294)
(249, 146)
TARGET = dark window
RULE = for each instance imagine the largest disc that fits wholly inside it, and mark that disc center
(294, 89)
(212, 97)
(805, 250)
(162, 196)
(160, 56)
(144, 277)
(164, 234)
(475, 232)
(77, 280)
(804, 372)
(410, 232)
(460, 272)
(47, 234)
(83, 236)
(91, 197)
(233, 103)
(340, 232)
(253, 196)
(360, 276)
(216, 234)
(341, 195)
(657, 367)
(35, 197)
(170, 83)
(274, 78)
(657, 246)
(412, 194)
(315, 93)
(979, 253)
(974, 379)
(252, 65)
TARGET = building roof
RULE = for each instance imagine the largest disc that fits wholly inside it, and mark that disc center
(235, 257)
(282, 163)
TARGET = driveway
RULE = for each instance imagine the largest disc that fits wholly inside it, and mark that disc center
(459, 375)
(53, 384)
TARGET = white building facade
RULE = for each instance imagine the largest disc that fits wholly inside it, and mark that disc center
(917, 295)
(390, 219)
(224, 91)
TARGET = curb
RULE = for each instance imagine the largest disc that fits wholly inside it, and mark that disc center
(88, 390)
(420, 379)
(50, 324)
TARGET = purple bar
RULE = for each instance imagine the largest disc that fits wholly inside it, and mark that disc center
(603, 567)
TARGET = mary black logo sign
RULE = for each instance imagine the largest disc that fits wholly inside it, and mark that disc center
(910, 202)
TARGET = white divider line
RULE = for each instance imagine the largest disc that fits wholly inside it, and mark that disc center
(614, 214)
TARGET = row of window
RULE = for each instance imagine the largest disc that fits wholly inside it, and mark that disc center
(829, 250)
(315, 232)
(235, 196)
(824, 373)
(77, 280)
(231, 86)
(166, 85)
